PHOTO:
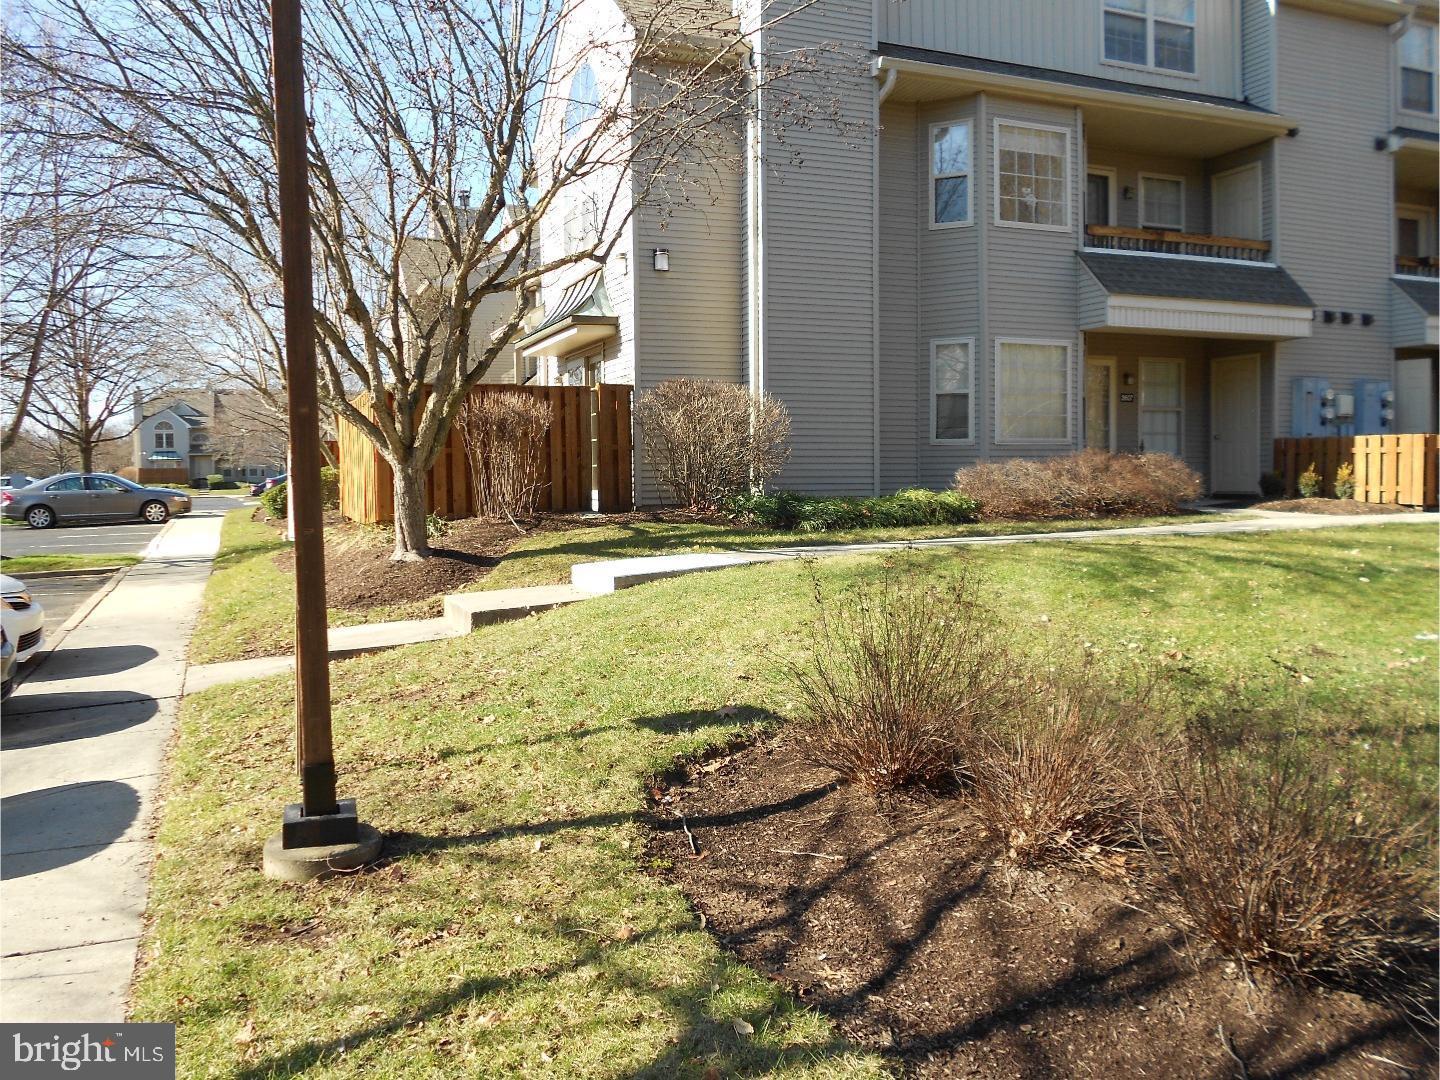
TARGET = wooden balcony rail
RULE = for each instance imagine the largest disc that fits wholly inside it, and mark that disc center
(1162, 242)
(1417, 266)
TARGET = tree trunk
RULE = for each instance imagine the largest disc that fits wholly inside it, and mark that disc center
(411, 543)
(87, 455)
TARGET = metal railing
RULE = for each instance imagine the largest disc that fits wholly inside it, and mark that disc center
(1426, 266)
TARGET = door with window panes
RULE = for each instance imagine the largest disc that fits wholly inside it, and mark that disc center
(1162, 403)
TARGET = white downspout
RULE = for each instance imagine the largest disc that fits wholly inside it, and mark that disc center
(885, 87)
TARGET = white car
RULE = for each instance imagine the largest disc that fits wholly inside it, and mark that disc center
(22, 616)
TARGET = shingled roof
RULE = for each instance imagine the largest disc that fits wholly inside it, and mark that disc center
(1195, 279)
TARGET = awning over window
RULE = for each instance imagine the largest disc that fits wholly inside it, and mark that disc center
(164, 455)
(1160, 294)
(582, 317)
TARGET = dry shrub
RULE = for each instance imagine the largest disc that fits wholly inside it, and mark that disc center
(1061, 786)
(1089, 484)
(1281, 864)
(504, 437)
(708, 441)
(899, 679)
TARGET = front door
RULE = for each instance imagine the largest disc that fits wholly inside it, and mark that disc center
(1100, 402)
(1162, 406)
(1235, 425)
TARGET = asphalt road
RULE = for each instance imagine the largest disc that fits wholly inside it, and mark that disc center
(107, 538)
(61, 596)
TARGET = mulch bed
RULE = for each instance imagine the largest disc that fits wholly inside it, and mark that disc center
(897, 921)
(1344, 507)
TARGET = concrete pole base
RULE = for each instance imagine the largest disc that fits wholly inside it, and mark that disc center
(313, 863)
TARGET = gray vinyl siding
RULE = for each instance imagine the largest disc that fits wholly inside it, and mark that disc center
(949, 292)
(1092, 300)
(1407, 320)
(1128, 166)
(1257, 53)
(904, 378)
(1061, 34)
(819, 322)
(1336, 219)
(1031, 274)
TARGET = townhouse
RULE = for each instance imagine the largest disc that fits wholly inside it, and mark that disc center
(1188, 226)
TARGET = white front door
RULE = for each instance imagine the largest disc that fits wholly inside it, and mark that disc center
(1100, 402)
(1235, 198)
(1235, 425)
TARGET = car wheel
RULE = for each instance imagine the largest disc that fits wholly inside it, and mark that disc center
(40, 517)
(156, 513)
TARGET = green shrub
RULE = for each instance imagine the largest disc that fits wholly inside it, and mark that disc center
(330, 487)
(1345, 481)
(787, 511)
(276, 500)
(1309, 483)
(214, 479)
(1272, 485)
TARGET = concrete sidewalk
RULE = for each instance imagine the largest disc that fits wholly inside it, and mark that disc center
(83, 747)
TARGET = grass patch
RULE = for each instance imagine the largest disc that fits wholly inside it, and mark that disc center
(30, 564)
(512, 933)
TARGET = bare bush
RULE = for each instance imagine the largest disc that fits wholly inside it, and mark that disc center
(899, 679)
(1281, 865)
(708, 441)
(1089, 484)
(1061, 786)
(504, 438)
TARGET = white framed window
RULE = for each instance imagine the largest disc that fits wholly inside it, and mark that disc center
(1414, 232)
(1162, 406)
(1151, 34)
(952, 390)
(164, 436)
(1162, 202)
(1417, 69)
(1032, 175)
(1032, 390)
(583, 102)
(951, 188)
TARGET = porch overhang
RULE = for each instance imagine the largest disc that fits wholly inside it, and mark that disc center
(1159, 294)
(1416, 155)
(1119, 114)
(570, 334)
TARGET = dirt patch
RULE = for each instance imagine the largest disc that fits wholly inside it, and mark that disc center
(896, 921)
(1344, 507)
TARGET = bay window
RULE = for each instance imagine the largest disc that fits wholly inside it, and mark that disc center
(1032, 391)
(1032, 175)
(1417, 68)
(950, 174)
(951, 390)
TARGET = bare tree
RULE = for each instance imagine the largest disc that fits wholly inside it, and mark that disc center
(414, 104)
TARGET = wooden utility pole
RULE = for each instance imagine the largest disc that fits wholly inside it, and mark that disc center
(315, 758)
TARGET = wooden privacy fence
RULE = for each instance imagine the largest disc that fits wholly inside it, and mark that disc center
(1400, 469)
(154, 476)
(586, 461)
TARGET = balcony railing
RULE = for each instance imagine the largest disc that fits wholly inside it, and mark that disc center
(1162, 242)
(1417, 266)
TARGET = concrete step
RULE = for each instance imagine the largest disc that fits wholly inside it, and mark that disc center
(346, 641)
(465, 611)
(613, 574)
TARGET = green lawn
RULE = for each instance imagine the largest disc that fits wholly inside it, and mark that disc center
(512, 931)
(249, 602)
(29, 564)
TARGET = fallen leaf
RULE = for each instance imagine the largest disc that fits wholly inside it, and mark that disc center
(246, 1034)
(727, 710)
(743, 1027)
(625, 933)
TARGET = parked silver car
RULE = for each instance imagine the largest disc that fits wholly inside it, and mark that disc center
(90, 497)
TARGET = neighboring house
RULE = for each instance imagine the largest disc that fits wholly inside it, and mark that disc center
(425, 271)
(1188, 226)
(204, 432)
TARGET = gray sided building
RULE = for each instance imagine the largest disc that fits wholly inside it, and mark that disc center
(1189, 226)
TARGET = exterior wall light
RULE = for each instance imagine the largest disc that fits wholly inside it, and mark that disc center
(1128, 378)
(662, 258)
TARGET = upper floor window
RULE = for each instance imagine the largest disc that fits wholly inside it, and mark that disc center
(1417, 68)
(164, 436)
(1162, 202)
(584, 101)
(1151, 33)
(950, 174)
(1032, 176)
